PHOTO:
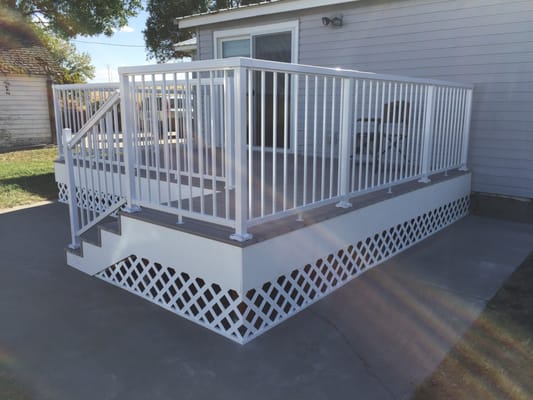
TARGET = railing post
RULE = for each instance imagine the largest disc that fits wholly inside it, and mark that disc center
(59, 125)
(71, 188)
(127, 132)
(466, 130)
(229, 115)
(346, 133)
(427, 139)
(240, 164)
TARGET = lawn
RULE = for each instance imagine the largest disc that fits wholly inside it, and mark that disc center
(27, 176)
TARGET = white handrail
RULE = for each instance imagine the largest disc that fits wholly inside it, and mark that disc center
(110, 102)
(243, 62)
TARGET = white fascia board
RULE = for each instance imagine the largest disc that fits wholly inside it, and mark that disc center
(253, 10)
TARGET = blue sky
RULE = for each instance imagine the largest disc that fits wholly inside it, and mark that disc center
(107, 57)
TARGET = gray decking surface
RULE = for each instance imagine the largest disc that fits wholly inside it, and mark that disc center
(65, 335)
(278, 191)
(289, 223)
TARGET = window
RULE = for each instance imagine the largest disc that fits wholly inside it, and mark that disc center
(235, 48)
(246, 42)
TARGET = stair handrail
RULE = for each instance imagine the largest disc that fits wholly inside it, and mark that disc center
(97, 116)
(69, 142)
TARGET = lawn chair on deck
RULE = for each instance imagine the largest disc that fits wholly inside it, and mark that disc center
(394, 121)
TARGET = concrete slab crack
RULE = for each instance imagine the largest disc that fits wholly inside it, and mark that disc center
(365, 363)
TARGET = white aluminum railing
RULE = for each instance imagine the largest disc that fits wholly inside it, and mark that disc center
(239, 142)
(75, 104)
(95, 169)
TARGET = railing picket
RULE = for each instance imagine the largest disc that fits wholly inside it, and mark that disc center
(324, 138)
(262, 148)
(315, 121)
(295, 147)
(274, 140)
(332, 136)
(285, 139)
(306, 140)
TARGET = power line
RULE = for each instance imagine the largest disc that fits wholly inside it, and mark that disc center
(108, 44)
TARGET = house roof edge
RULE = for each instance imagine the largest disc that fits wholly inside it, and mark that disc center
(252, 10)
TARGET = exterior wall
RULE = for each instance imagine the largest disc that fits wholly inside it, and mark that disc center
(483, 42)
(24, 112)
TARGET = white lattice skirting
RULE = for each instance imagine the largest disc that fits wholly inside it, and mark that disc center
(87, 199)
(244, 316)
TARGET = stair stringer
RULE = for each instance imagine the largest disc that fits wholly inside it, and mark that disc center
(214, 261)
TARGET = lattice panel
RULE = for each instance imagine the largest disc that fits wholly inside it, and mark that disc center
(277, 300)
(242, 317)
(190, 297)
(88, 199)
(62, 193)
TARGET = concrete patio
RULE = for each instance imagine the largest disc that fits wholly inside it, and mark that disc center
(66, 335)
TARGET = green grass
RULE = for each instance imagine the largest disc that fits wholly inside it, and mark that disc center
(27, 176)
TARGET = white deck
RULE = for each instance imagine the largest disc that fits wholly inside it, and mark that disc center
(260, 234)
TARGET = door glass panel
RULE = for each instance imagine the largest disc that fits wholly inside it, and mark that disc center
(272, 47)
(236, 48)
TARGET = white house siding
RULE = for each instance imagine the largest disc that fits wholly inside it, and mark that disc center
(24, 113)
(488, 43)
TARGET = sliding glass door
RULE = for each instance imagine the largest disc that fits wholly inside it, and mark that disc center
(272, 46)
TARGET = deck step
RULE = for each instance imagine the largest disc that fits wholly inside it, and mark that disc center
(94, 235)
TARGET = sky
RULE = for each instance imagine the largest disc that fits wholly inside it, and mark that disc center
(125, 47)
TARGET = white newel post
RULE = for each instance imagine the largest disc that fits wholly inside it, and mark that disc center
(127, 133)
(466, 130)
(71, 183)
(427, 139)
(59, 125)
(229, 115)
(240, 164)
(346, 133)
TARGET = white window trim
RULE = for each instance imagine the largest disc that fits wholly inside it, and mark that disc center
(242, 33)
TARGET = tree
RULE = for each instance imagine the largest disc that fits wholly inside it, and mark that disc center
(50, 23)
(161, 32)
(73, 67)
(68, 18)
(62, 61)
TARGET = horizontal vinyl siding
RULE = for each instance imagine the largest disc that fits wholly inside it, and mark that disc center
(205, 44)
(488, 43)
(24, 113)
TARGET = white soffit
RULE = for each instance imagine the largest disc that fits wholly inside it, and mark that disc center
(253, 10)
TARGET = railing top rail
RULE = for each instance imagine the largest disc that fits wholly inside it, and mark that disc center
(236, 62)
(73, 86)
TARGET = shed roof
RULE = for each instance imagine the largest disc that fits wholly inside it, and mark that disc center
(21, 49)
(252, 10)
(31, 60)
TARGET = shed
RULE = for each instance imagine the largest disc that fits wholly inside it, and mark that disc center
(25, 93)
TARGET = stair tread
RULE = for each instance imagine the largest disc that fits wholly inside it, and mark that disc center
(93, 235)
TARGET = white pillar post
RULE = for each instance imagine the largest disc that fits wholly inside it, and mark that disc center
(346, 134)
(71, 190)
(59, 125)
(427, 139)
(240, 163)
(466, 130)
(127, 136)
